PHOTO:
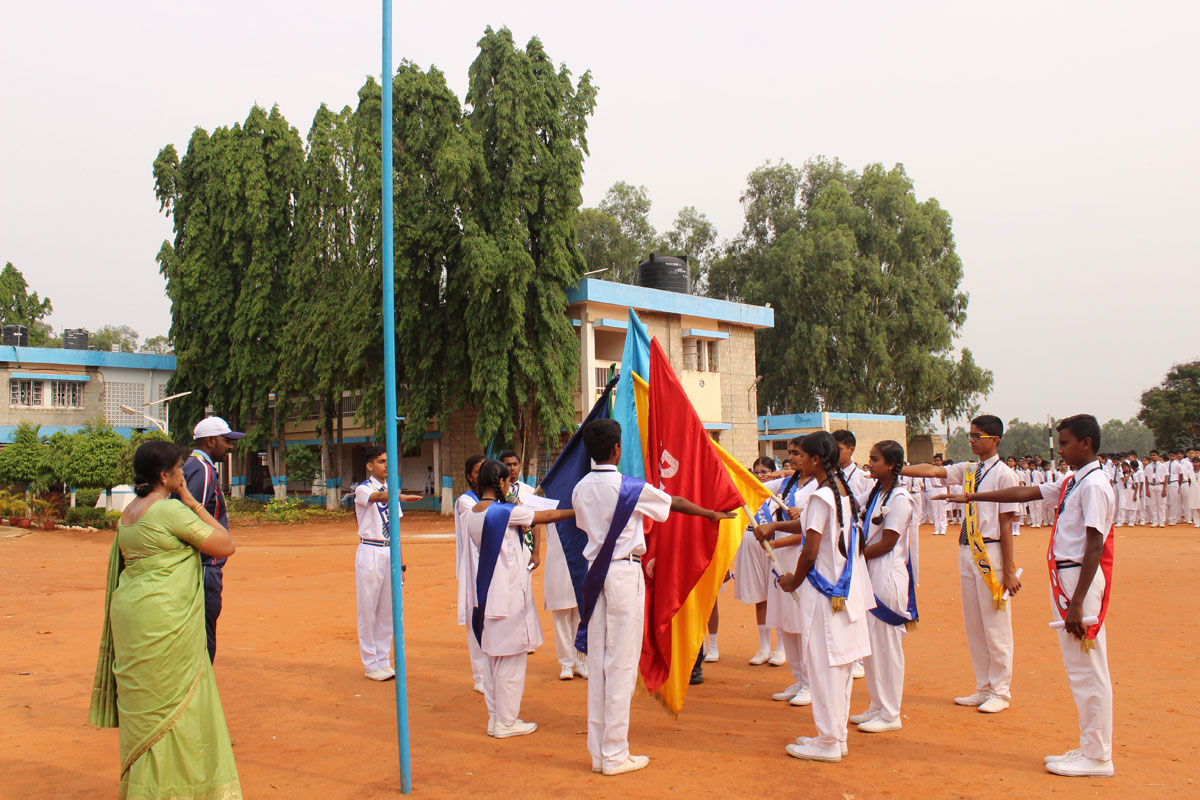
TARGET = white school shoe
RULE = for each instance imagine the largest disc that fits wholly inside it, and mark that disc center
(1080, 766)
(566, 673)
(581, 670)
(762, 655)
(381, 675)
(712, 655)
(478, 686)
(632, 764)
(778, 658)
(841, 745)
(801, 698)
(491, 726)
(993, 705)
(1069, 754)
(858, 719)
(857, 670)
(518, 728)
(973, 700)
(786, 694)
(880, 725)
(807, 749)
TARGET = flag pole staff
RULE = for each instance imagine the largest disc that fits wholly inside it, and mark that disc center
(771, 550)
(389, 401)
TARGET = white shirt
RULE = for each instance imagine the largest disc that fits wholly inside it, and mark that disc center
(372, 517)
(994, 474)
(858, 480)
(1176, 468)
(1157, 473)
(1090, 504)
(466, 557)
(595, 499)
(889, 572)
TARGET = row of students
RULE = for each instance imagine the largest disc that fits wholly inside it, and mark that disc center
(1160, 492)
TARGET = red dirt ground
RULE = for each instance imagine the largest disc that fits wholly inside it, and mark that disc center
(306, 723)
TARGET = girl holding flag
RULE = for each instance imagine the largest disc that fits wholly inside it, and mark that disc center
(752, 577)
(888, 522)
(1080, 560)
(835, 595)
(504, 619)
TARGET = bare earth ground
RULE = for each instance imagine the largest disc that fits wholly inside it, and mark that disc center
(306, 723)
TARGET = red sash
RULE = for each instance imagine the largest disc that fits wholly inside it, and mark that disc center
(1061, 601)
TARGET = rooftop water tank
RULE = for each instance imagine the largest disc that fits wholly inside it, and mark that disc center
(15, 335)
(669, 273)
(75, 339)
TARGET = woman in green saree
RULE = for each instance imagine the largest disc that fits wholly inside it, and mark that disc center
(153, 677)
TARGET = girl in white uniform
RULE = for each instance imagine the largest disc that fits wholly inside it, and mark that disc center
(835, 593)
(504, 619)
(889, 520)
(466, 555)
(752, 579)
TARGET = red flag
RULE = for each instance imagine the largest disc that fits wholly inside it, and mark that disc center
(681, 461)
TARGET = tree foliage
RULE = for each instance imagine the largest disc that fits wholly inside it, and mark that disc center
(1172, 409)
(24, 459)
(96, 458)
(124, 471)
(864, 281)
(19, 306)
(159, 344)
(122, 337)
(1117, 436)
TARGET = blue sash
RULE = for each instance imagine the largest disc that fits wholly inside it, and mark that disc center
(495, 525)
(881, 609)
(471, 494)
(841, 590)
(593, 582)
(763, 516)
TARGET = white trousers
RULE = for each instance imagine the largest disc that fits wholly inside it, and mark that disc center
(1035, 514)
(566, 625)
(831, 687)
(1087, 672)
(793, 649)
(989, 632)
(614, 646)
(1176, 501)
(1129, 514)
(1158, 506)
(373, 593)
(478, 659)
(504, 686)
(938, 511)
(885, 667)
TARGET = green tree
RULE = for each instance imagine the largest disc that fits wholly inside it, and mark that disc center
(56, 466)
(302, 464)
(24, 459)
(159, 344)
(958, 448)
(96, 458)
(529, 123)
(1172, 409)
(1025, 439)
(864, 282)
(1118, 436)
(692, 235)
(122, 337)
(124, 473)
(20, 307)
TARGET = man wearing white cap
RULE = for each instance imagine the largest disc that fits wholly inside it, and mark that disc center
(213, 441)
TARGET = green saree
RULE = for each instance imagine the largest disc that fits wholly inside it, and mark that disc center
(153, 677)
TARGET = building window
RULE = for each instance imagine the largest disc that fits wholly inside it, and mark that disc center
(712, 349)
(117, 394)
(25, 393)
(692, 354)
(700, 355)
(66, 394)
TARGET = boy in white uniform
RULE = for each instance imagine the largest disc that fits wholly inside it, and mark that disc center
(1082, 551)
(373, 567)
(987, 618)
(1176, 497)
(1157, 475)
(466, 557)
(615, 626)
(937, 502)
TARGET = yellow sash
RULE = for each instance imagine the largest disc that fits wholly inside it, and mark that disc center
(978, 551)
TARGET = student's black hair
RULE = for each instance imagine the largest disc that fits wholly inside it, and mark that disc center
(989, 424)
(939, 455)
(472, 460)
(1082, 426)
(508, 454)
(845, 437)
(151, 460)
(600, 436)
(374, 452)
(1155, 453)
(765, 461)
(795, 440)
(893, 454)
(822, 445)
(490, 476)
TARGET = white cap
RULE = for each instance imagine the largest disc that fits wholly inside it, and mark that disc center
(214, 426)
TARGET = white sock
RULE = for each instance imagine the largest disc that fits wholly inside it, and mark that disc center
(764, 638)
(712, 641)
(778, 639)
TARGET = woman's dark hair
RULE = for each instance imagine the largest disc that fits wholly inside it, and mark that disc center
(151, 460)
(822, 445)
(764, 461)
(893, 455)
(472, 460)
(490, 476)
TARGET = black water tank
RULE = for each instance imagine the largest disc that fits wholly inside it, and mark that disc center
(16, 335)
(75, 339)
(665, 272)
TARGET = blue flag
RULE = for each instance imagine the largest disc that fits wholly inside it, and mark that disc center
(572, 464)
(636, 358)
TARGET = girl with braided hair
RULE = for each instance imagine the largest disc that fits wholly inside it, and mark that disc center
(890, 523)
(835, 595)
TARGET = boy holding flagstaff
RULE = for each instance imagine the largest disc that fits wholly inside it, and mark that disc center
(1080, 560)
(986, 567)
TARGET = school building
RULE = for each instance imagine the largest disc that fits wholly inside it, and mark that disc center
(775, 431)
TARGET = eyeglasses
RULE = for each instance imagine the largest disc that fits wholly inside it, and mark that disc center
(975, 437)
(762, 473)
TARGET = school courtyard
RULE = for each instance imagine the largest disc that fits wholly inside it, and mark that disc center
(307, 724)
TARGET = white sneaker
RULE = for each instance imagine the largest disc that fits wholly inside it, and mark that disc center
(777, 659)
(1080, 766)
(786, 694)
(858, 719)
(1064, 756)
(478, 686)
(993, 705)
(857, 671)
(712, 655)
(975, 700)
(381, 675)
(518, 728)
(632, 764)
(491, 726)
(759, 658)
(802, 740)
(801, 698)
(880, 725)
(581, 670)
(811, 751)
(566, 673)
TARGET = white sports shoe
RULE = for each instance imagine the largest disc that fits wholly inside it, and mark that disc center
(777, 659)
(581, 670)
(478, 686)
(975, 700)
(491, 726)
(880, 725)
(1080, 766)
(811, 751)
(858, 719)
(993, 705)
(786, 694)
(841, 745)
(801, 698)
(857, 670)
(381, 675)
(1064, 756)
(712, 655)
(632, 764)
(759, 658)
(518, 728)
(566, 673)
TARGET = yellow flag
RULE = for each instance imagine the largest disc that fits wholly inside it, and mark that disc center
(690, 623)
(641, 399)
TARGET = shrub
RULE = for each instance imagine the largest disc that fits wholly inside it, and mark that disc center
(111, 518)
(284, 510)
(87, 515)
(87, 497)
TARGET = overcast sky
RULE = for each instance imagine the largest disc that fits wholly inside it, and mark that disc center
(1062, 138)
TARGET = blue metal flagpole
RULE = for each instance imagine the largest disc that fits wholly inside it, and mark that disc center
(389, 400)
